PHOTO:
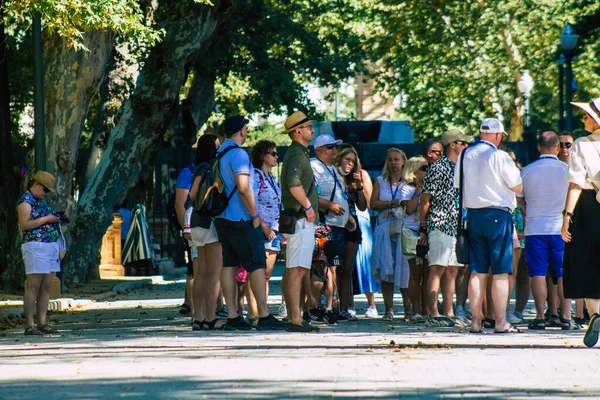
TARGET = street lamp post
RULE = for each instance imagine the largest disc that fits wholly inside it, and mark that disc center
(561, 89)
(568, 41)
(525, 85)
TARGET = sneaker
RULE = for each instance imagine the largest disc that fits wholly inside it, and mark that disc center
(304, 327)
(306, 316)
(352, 311)
(460, 311)
(341, 317)
(270, 323)
(237, 323)
(345, 316)
(371, 312)
(330, 318)
(253, 321)
(282, 311)
(316, 316)
(222, 312)
(513, 317)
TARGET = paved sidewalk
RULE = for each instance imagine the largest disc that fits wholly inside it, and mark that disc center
(137, 346)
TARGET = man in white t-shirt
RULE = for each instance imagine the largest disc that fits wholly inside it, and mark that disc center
(491, 180)
(333, 199)
(544, 188)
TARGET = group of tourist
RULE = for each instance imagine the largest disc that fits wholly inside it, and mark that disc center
(320, 208)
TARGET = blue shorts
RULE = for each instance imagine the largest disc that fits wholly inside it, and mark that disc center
(544, 253)
(490, 240)
(274, 244)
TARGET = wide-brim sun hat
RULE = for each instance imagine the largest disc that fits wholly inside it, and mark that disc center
(45, 179)
(592, 108)
(295, 121)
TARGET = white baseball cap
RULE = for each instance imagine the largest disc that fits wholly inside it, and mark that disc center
(492, 125)
(325, 139)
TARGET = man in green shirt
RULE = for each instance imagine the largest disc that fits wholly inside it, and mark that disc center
(298, 193)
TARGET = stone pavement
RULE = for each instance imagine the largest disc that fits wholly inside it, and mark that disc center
(137, 346)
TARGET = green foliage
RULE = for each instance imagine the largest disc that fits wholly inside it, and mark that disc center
(71, 18)
(458, 61)
(277, 47)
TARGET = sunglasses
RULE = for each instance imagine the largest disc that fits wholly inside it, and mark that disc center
(330, 146)
(566, 144)
(46, 190)
(423, 168)
(461, 142)
(273, 154)
(438, 152)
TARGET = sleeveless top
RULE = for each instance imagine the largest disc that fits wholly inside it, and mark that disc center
(386, 193)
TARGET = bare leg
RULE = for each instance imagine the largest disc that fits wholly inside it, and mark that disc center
(512, 278)
(424, 287)
(500, 296)
(540, 293)
(199, 311)
(292, 284)
(251, 300)
(552, 296)
(229, 287)
(523, 287)
(477, 289)
(462, 285)
(414, 286)
(210, 275)
(406, 304)
(593, 306)
(271, 258)
(387, 289)
(488, 301)
(370, 298)
(565, 304)
(448, 288)
(257, 280)
(433, 288)
(579, 308)
(32, 290)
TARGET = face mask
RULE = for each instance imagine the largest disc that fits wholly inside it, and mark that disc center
(342, 172)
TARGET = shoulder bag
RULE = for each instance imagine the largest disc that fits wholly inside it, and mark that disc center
(462, 236)
(288, 216)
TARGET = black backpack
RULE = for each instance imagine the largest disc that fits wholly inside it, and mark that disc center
(211, 199)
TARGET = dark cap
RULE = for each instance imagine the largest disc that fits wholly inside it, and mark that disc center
(234, 124)
(333, 252)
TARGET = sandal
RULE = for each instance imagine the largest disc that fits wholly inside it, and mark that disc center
(489, 323)
(185, 309)
(47, 329)
(211, 325)
(511, 329)
(568, 325)
(198, 325)
(32, 330)
(553, 321)
(388, 316)
(537, 325)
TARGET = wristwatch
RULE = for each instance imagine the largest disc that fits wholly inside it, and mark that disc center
(565, 213)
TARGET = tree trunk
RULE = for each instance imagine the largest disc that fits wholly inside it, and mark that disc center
(8, 185)
(138, 135)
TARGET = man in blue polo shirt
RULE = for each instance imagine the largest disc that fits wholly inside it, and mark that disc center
(491, 180)
(239, 230)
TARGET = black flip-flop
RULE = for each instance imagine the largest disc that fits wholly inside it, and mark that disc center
(479, 332)
(211, 325)
(511, 329)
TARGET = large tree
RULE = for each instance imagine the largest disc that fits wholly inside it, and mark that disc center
(456, 62)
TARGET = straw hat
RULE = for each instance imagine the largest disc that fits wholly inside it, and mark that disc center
(295, 121)
(592, 108)
(45, 179)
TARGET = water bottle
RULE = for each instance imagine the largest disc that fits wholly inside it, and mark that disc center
(323, 299)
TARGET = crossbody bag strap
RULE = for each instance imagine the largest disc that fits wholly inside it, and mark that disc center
(461, 179)
(219, 157)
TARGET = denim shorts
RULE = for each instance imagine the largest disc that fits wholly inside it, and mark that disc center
(274, 244)
(242, 244)
(490, 240)
(544, 253)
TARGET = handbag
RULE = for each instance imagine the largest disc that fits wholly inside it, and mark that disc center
(410, 239)
(288, 216)
(462, 236)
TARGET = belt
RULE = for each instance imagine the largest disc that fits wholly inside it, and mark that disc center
(507, 209)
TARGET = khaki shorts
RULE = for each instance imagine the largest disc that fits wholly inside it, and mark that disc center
(442, 249)
(300, 245)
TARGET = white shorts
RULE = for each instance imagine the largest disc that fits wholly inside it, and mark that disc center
(442, 249)
(202, 237)
(41, 257)
(300, 245)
